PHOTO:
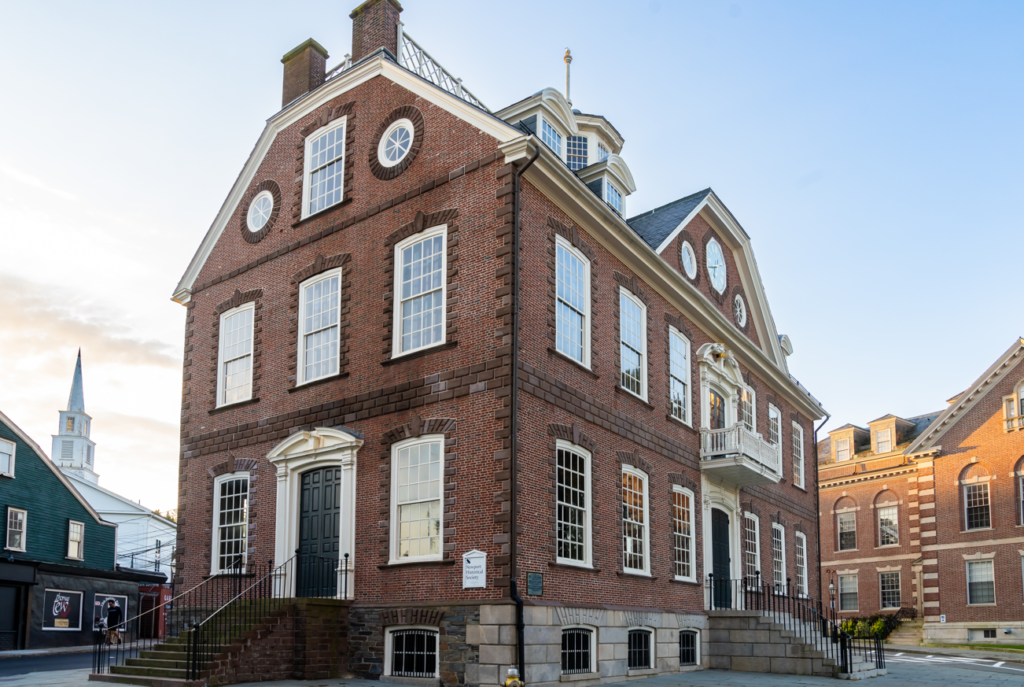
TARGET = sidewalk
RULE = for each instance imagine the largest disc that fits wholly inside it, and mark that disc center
(22, 653)
(993, 654)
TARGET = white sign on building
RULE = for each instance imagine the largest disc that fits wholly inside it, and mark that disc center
(474, 569)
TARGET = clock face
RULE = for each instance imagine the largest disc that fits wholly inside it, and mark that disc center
(689, 260)
(716, 265)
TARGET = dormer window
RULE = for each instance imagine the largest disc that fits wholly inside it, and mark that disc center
(576, 152)
(602, 152)
(613, 198)
(551, 138)
(883, 441)
(842, 450)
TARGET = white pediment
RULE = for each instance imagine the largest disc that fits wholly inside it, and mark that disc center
(321, 440)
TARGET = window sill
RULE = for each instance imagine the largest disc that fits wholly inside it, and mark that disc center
(14, 550)
(232, 406)
(684, 425)
(592, 675)
(322, 380)
(411, 564)
(413, 681)
(626, 392)
(11, 476)
(629, 573)
(847, 550)
(321, 213)
(979, 605)
(803, 489)
(583, 368)
(419, 353)
(69, 558)
(683, 580)
(637, 672)
(888, 546)
(977, 529)
(573, 566)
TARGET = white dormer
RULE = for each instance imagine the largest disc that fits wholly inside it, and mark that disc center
(548, 116)
(611, 180)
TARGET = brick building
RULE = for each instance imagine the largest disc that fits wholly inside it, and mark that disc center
(359, 382)
(885, 491)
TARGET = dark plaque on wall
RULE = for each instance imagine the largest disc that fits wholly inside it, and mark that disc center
(535, 584)
(62, 610)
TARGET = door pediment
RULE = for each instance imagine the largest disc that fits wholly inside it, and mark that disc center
(311, 445)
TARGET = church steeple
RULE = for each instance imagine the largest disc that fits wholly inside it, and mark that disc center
(72, 447)
(76, 401)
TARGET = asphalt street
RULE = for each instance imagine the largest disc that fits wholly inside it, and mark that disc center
(39, 664)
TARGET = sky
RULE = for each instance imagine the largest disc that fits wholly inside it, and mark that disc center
(871, 150)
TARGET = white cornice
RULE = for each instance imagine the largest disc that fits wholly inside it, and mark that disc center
(615, 167)
(601, 126)
(831, 482)
(550, 175)
(551, 102)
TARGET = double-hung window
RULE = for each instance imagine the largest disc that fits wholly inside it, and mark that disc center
(888, 526)
(1013, 410)
(421, 283)
(633, 346)
(551, 137)
(76, 540)
(976, 506)
(576, 152)
(319, 308)
(572, 302)
(889, 586)
(578, 651)
(842, 450)
(416, 498)
(778, 557)
(846, 525)
(602, 152)
(573, 504)
(801, 563)
(883, 441)
(17, 529)
(679, 375)
(635, 529)
(774, 426)
(751, 547)
(848, 593)
(234, 379)
(613, 197)
(325, 168)
(682, 533)
(7, 458)
(745, 409)
(981, 585)
(798, 455)
(230, 522)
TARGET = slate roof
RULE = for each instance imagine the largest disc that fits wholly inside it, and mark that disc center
(655, 225)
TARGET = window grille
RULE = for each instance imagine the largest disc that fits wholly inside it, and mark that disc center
(320, 308)
(632, 330)
(801, 564)
(576, 152)
(746, 409)
(422, 293)
(889, 584)
(576, 648)
(572, 506)
(326, 169)
(419, 499)
(414, 653)
(778, 557)
(639, 650)
(232, 523)
(687, 648)
(614, 198)
(988, 634)
(16, 529)
(683, 533)
(571, 303)
(634, 522)
(6, 457)
(848, 593)
(884, 441)
(750, 547)
(847, 531)
(976, 503)
(236, 356)
(798, 455)
(981, 586)
(842, 450)
(552, 138)
(602, 152)
(679, 375)
(76, 534)
(888, 526)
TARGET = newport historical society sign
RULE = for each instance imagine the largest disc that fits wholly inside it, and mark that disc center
(474, 569)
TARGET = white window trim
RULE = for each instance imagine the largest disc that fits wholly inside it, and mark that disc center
(797, 430)
(540, 134)
(878, 440)
(81, 543)
(964, 484)
(220, 354)
(725, 265)
(688, 418)
(839, 591)
(307, 173)
(396, 327)
(878, 521)
(802, 579)
(839, 532)
(782, 540)
(676, 489)
(643, 354)
(693, 259)
(593, 646)
(215, 535)
(559, 241)
(24, 529)
(967, 572)
(252, 204)
(757, 544)
(653, 664)
(14, 449)
(389, 646)
(382, 144)
(768, 429)
(588, 548)
(697, 631)
(849, 454)
(739, 408)
(395, 531)
(881, 595)
(607, 199)
(1014, 422)
(646, 570)
(300, 348)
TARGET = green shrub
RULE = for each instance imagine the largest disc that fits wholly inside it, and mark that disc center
(848, 627)
(862, 630)
(878, 628)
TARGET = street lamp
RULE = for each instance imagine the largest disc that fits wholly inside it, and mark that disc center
(832, 597)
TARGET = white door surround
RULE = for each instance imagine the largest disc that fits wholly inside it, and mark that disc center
(726, 498)
(323, 447)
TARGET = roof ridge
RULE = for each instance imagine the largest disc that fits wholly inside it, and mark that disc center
(677, 200)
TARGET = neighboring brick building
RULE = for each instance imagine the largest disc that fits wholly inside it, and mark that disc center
(885, 490)
(352, 333)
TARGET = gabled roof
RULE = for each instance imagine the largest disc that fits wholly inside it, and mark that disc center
(890, 416)
(654, 226)
(136, 507)
(848, 426)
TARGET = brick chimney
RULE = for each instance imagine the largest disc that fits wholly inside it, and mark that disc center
(304, 70)
(375, 25)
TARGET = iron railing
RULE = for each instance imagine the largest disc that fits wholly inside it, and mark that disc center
(806, 618)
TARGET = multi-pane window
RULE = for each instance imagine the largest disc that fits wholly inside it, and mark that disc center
(842, 449)
(638, 650)
(633, 348)
(801, 563)
(602, 152)
(6, 457)
(576, 152)
(414, 653)
(848, 593)
(325, 168)
(571, 302)
(682, 532)
(235, 379)
(981, 586)
(577, 650)
(418, 498)
(421, 281)
(552, 138)
(614, 197)
(231, 523)
(679, 375)
(847, 527)
(76, 540)
(773, 426)
(778, 556)
(751, 547)
(16, 529)
(634, 521)
(716, 410)
(745, 409)
(889, 584)
(573, 505)
(798, 455)
(319, 322)
(883, 441)
(976, 506)
(1014, 410)
(888, 526)
(687, 647)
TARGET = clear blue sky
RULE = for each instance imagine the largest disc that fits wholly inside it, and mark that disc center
(872, 151)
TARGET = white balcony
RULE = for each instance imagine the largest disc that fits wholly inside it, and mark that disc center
(739, 456)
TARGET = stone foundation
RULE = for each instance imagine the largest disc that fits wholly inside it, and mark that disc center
(972, 633)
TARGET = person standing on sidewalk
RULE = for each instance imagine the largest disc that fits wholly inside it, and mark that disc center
(115, 616)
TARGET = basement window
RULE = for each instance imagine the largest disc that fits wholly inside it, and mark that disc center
(411, 652)
(688, 648)
(578, 650)
(639, 649)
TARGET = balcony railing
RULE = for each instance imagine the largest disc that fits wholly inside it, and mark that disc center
(739, 456)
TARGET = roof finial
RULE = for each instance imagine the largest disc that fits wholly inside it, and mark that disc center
(76, 401)
(568, 61)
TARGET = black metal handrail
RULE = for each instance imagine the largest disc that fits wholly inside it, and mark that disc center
(805, 617)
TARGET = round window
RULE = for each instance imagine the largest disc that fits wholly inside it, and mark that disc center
(689, 260)
(260, 209)
(739, 311)
(395, 143)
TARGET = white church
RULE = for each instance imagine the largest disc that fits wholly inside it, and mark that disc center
(144, 539)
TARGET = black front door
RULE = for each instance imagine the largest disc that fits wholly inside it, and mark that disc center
(721, 591)
(319, 526)
(11, 614)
